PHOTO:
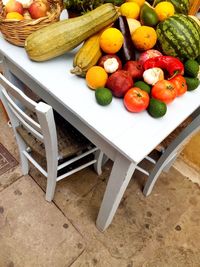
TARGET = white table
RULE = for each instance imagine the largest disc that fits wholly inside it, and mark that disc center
(124, 137)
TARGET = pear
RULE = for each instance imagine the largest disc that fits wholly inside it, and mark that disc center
(148, 16)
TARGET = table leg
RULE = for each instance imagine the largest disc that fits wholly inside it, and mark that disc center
(120, 176)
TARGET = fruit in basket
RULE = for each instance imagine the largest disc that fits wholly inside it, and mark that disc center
(130, 10)
(134, 68)
(181, 6)
(157, 108)
(164, 10)
(110, 63)
(136, 100)
(38, 9)
(26, 3)
(96, 77)
(179, 36)
(103, 96)
(119, 82)
(191, 67)
(144, 38)
(42, 44)
(87, 56)
(148, 16)
(14, 6)
(14, 16)
(164, 91)
(192, 83)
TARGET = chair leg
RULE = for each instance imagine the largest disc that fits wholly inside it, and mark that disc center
(99, 162)
(160, 165)
(170, 163)
(51, 184)
(170, 153)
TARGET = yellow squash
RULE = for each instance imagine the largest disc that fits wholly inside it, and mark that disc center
(87, 56)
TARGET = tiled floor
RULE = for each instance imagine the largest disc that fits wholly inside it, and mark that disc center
(159, 231)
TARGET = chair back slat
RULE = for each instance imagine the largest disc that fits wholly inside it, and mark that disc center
(17, 93)
(21, 115)
(28, 127)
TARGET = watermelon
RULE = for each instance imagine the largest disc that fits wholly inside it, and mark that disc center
(179, 36)
(180, 6)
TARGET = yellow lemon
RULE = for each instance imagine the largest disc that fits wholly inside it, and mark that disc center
(130, 10)
(14, 15)
(164, 10)
(139, 2)
(111, 40)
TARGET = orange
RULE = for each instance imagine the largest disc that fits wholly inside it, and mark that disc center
(96, 77)
(130, 10)
(144, 38)
(164, 10)
(14, 16)
(111, 40)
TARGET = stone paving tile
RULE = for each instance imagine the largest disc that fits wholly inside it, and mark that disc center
(140, 225)
(8, 140)
(34, 232)
(159, 231)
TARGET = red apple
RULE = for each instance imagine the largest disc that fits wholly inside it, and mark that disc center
(14, 6)
(38, 9)
(134, 68)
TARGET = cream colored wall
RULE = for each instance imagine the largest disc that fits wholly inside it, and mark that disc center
(191, 152)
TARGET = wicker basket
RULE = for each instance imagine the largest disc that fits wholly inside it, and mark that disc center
(16, 32)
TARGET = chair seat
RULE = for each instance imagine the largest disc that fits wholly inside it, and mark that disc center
(70, 141)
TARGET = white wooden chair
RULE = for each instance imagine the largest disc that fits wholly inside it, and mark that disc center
(170, 149)
(36, 131)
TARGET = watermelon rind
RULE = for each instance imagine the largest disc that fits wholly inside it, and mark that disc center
(179, 36)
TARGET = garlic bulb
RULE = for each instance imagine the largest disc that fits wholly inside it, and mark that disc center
(153, 75)
(111, 65)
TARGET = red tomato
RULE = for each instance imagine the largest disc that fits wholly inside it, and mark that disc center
(164, 91)
(136, 100)
(180, 84)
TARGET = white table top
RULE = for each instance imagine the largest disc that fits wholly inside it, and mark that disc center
(133, 134)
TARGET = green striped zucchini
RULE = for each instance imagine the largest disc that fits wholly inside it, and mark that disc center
(62, 36)
(179, 36)
(181, 6)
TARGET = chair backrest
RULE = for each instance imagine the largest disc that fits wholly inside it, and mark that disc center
(17, 104)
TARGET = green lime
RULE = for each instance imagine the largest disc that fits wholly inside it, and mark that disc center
(192, 83)
(157, 108)
(142, 85)
(191, 68)
(103, 96)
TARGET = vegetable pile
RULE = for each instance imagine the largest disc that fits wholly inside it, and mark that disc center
(146, 55)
